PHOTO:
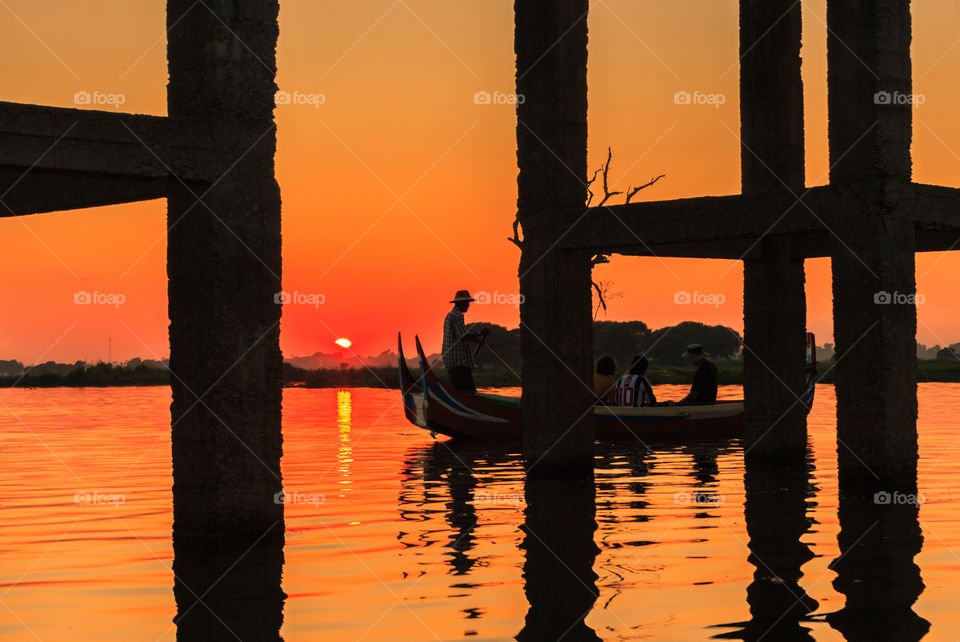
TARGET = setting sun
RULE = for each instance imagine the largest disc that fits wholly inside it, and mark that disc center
(343, 343)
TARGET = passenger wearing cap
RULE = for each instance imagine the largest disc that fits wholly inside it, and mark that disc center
(457, 356)
(704, 388)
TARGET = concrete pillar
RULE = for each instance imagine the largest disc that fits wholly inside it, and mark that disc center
(873, 258)
(555, 319)
(224, 269)
(774, 303)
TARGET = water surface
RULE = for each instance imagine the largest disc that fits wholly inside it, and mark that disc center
(391, 535)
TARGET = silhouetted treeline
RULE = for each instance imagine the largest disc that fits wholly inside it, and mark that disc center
(622, 340)
(99, 375)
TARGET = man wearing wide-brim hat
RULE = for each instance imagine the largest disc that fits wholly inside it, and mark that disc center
(457, 355)
(704, 387)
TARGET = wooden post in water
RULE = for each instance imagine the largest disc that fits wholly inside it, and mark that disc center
(555, 319)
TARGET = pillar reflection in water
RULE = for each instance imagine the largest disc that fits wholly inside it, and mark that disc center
(559, 581)
(879, 537)
(229, 588)
(777, 502)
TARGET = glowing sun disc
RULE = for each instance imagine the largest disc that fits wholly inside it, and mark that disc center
(344, 343)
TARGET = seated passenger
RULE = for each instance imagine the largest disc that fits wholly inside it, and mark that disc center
(704, 388)
(604, 383)
(634, 388)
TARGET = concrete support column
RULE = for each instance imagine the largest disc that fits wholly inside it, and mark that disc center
(224, 269)
(774, 303)
(873, 258)
(555, 319)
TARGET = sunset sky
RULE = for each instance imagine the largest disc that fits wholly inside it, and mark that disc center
(399, 189)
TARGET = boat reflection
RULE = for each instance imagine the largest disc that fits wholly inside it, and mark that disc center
(558, 529)
(438, 480)
(621, 478)
(704, 474)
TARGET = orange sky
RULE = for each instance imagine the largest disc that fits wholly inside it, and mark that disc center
(399, 189)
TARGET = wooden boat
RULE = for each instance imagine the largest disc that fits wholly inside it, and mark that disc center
(435, 406)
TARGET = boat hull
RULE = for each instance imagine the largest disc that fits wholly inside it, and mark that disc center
(437, 407)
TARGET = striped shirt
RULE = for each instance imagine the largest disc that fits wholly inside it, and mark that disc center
(456, 349)
(635, 390)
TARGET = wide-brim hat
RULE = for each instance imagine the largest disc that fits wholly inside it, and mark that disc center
(695, 352)
(462, 295)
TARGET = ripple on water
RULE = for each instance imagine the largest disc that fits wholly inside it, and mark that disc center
(393, 535)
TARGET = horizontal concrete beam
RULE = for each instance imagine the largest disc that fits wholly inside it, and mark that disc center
(58, 158)
(725, 225)
(729, 227)
(937, 207)
(41, 191)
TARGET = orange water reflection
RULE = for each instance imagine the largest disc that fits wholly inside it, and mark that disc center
(391, 535)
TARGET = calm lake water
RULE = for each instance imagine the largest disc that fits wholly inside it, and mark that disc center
(391, 535)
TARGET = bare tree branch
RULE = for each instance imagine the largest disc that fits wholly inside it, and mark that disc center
(631, 192)
(607, 194)
(590, 191)
(516, 240)
(603, 303)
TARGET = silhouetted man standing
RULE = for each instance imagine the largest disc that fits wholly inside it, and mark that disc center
(457, 356)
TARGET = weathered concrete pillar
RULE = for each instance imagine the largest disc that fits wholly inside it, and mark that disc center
(774, 303)
(224, 269)
(874, 279)
(555, 319)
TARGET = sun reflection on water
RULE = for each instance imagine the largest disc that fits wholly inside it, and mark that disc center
(344, 447)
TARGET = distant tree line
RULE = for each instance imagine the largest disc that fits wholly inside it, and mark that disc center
(949, 353)
(622, 340)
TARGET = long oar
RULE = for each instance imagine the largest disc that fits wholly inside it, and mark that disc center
(498, 358)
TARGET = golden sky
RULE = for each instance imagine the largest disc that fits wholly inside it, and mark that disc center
(399, 189)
